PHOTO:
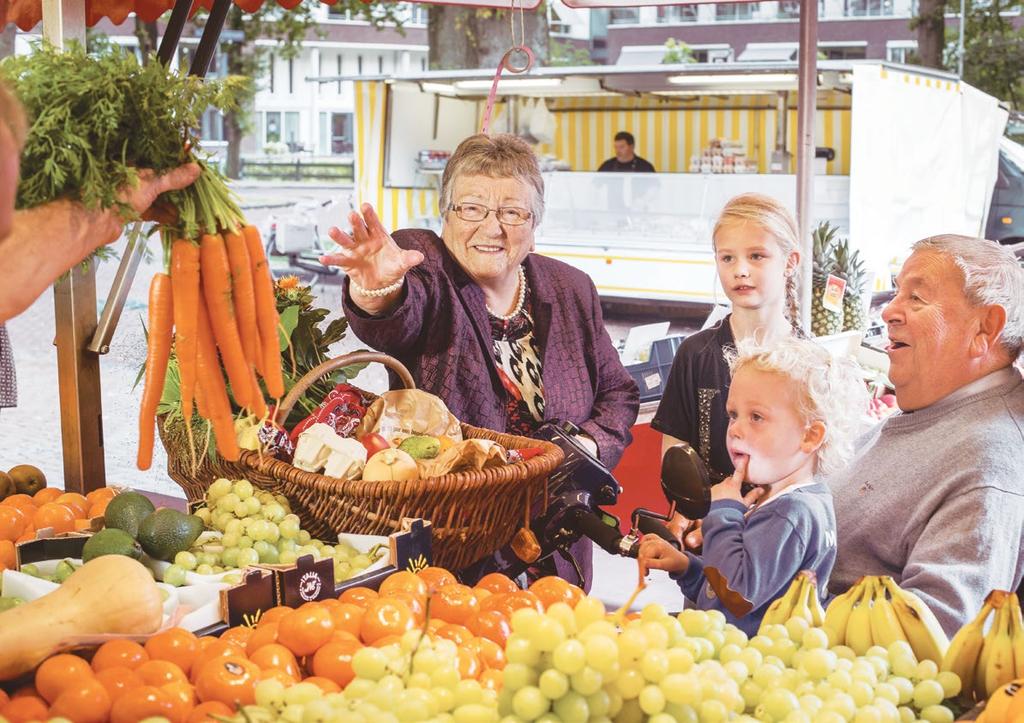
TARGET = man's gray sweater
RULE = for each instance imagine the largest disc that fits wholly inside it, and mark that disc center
(936, 499)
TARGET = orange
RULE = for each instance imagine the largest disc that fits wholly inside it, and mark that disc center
(159, 673)
(490, 653)
(8, 555)
(29, 534)
(59, 517)
(342, 635)
(239, 635)
(386, 641)
(210, 712)
(304, 630)
(142, 702)
(58, 672)
(46, 494)
(83, 524)
(496, 582)
(347, 617)
(26, 690)
(176, 646)
(490, 624)
(4, 698)
(117, 680)
(360, 596)
(230, 680)
(12, 523)
(417, 605)
(213, 651)
(404, 581)
(75, 501)
(279, 675)
(83, 701)
(522, 599)
(385, 617)
(273, 615)
(334, 661)
(492, 679)
(275, 655)
(458, 634)
(25, 709)
(494, 602)
(101, 495)
(436, 578)
(469, 664)
(481, 594)
(97, 510)
(119, 653)
(263, 635)
(551, 589)
(183, 697)
(22, 502)
(454, 603)
(327, 686)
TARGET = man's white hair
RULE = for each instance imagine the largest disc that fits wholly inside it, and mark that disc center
(831, 391)
(992, 276)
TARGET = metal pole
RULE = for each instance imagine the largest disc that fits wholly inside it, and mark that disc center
(960, 42)
(133, 253)
(74, 299)
(172, 33)
(211, 37)
(806, 106)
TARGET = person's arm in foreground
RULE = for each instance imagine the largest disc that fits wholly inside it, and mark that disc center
(48, 240)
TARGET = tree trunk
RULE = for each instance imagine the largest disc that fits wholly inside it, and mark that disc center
(931, 32)
(233, 135)
(7, 35)
(462, 37)
(147, 37)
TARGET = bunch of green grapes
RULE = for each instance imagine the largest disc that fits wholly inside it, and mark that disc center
(256, 527)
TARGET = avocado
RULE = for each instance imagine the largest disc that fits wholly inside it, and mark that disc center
(111, 542)
(421, 447)
(27, 479)
(167, 532)
(7, 486)
(126, 511)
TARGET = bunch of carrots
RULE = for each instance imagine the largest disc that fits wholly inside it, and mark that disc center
(216, 305)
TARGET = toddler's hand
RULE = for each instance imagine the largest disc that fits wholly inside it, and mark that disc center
(656, 554)
(731, 488)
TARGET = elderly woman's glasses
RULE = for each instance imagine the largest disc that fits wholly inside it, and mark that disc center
(506, 215)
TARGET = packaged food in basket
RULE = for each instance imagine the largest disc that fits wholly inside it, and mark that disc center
(342, 410)
(405, 413)
(469, 454)
(276, 442)
(319, 447)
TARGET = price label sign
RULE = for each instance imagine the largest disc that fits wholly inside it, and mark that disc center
(835, 287)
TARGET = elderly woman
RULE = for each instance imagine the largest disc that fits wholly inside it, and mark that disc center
(506, 338)
(935, 496)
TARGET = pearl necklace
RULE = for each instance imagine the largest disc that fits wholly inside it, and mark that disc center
(521, 295)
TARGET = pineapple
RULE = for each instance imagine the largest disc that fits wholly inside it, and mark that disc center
(824, 322)
(850, 267)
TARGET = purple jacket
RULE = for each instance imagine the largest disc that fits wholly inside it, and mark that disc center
(440, 331)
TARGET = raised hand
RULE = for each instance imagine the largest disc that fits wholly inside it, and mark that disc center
(369, 256)
(656, 554)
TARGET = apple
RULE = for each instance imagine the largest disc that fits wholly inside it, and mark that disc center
(374, 443)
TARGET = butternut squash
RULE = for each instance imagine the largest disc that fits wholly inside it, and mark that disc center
(111, 594)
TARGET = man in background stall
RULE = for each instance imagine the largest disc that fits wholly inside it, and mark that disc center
(625, 160)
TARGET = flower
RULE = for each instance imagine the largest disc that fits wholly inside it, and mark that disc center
(288, 282)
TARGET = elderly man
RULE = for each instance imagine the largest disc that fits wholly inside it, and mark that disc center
(935, 495)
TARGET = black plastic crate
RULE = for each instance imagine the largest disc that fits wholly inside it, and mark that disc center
(652, 374)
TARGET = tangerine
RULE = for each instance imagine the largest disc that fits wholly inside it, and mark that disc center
(404, 581)
(304, 630)
(60, 518)
(385, 617)
(46, 494)
(360, 596)
(347, 617)
(139, 703)
(83, 701)
(436, 578)
(490, 624)
(210, 712)
(334, 661)
(119, 653)
(454, 603)
(58, 672)
(275, 655)
(177, 645)
(117, 680)
(327, 686)
(25, 709)
(159, 673)
(12, 523)
(230, 680)
(496, 583)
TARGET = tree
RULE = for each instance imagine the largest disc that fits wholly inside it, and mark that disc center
(930, 24)
(288, 29)
(567, 55)
(462, 37)
(677, 52)
(993, 50)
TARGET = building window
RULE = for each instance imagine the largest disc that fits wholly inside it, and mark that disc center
(339, 73)
(900, 52)
(789, 9)
(734, 11)
(338, 12)
(416, 13)
(291, 131)
(423, 63)
(867, 8)
(380, 65)
(843, 52)
(272, 126)
(672, 14)
(359, 65)
(336, 133)
(212, 126)
(623, 16)
(270, 64)
(291, 76)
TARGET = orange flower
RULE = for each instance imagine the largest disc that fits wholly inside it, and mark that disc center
(288, 282)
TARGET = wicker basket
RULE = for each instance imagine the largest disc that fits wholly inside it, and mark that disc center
(473, 513)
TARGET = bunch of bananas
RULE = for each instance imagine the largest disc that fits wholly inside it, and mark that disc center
(877, 611)
(987, 662)
(800, 601)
